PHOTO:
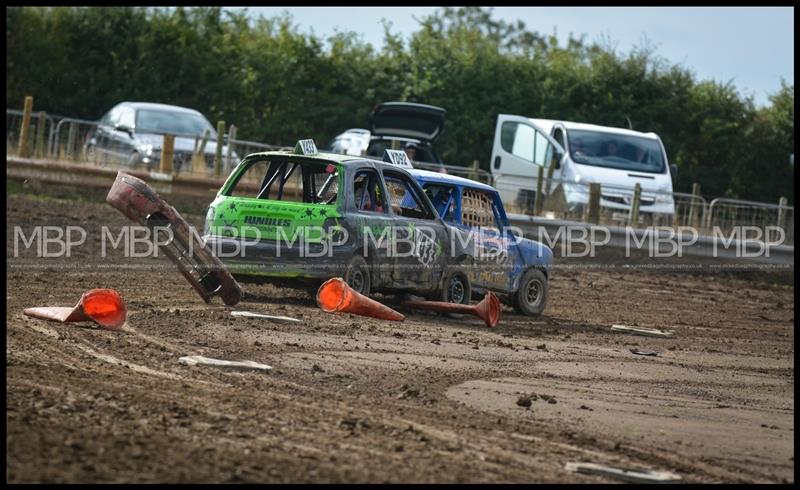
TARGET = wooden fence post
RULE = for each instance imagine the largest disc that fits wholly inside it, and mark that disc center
(198, 159)
(40, 143)
(71, 137)
(231, 138)
(593, 214)
(218, 153)
(539, 199)
(167, 152)
(693, 214)
(473, 175)
(23, 149)
(633, 219)
(783, 203)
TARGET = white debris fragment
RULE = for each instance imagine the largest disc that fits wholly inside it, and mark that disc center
(279, 319)
(647, 332)
(634, 476)
(207, 361)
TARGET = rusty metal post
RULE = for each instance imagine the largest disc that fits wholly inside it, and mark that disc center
(40, 143)
(593, 211)
(539, 199)
(23, 149)
(167, 152)
(633, 218)
(218, 152)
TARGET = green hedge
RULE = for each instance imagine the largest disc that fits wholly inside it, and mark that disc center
(278, 84)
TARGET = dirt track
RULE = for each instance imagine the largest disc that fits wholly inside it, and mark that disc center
(355, 399)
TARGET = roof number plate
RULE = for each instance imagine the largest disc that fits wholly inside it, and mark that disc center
(397, 158)
(305, 147)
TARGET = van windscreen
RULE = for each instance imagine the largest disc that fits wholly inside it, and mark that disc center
(620, 151)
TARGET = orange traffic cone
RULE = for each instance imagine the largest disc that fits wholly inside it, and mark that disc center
(102, 306)
(488, 310)
(336, 296)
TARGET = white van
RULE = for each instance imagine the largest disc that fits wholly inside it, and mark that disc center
(581, 153)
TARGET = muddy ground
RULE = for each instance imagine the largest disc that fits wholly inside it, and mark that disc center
(355, 399)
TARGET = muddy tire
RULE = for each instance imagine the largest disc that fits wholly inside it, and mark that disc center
(531, 297)
(457, 289)
(357, 275)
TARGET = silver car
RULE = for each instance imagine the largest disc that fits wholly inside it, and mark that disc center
(133, 133)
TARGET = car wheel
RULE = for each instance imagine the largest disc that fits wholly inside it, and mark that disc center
(457, 289)
(531, 297)
(357, 275)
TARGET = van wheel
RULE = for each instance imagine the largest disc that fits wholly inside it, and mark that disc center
(531, 297)
(357, 275)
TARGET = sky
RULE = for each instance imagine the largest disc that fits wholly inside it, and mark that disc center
(751, 46)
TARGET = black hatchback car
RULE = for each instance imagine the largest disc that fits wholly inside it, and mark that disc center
(133, 133)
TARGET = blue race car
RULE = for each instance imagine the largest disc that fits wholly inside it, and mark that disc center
(515, 267)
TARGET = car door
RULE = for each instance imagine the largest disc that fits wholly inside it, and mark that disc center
(420, 248)
(481, 216)
(369, 216)
(520, 149)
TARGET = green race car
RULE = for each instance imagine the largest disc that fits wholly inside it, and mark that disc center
(302, 216)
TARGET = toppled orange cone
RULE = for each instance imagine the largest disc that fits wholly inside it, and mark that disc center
(488, 310)
(335, 296)
(102, 306)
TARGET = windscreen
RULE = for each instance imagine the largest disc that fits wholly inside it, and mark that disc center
(620, 151)
(421, 153)
(172, 122)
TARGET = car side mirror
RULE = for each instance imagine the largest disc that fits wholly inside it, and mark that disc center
(126, 128)
(673, 170)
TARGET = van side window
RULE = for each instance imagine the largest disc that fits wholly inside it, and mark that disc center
(525, 142)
